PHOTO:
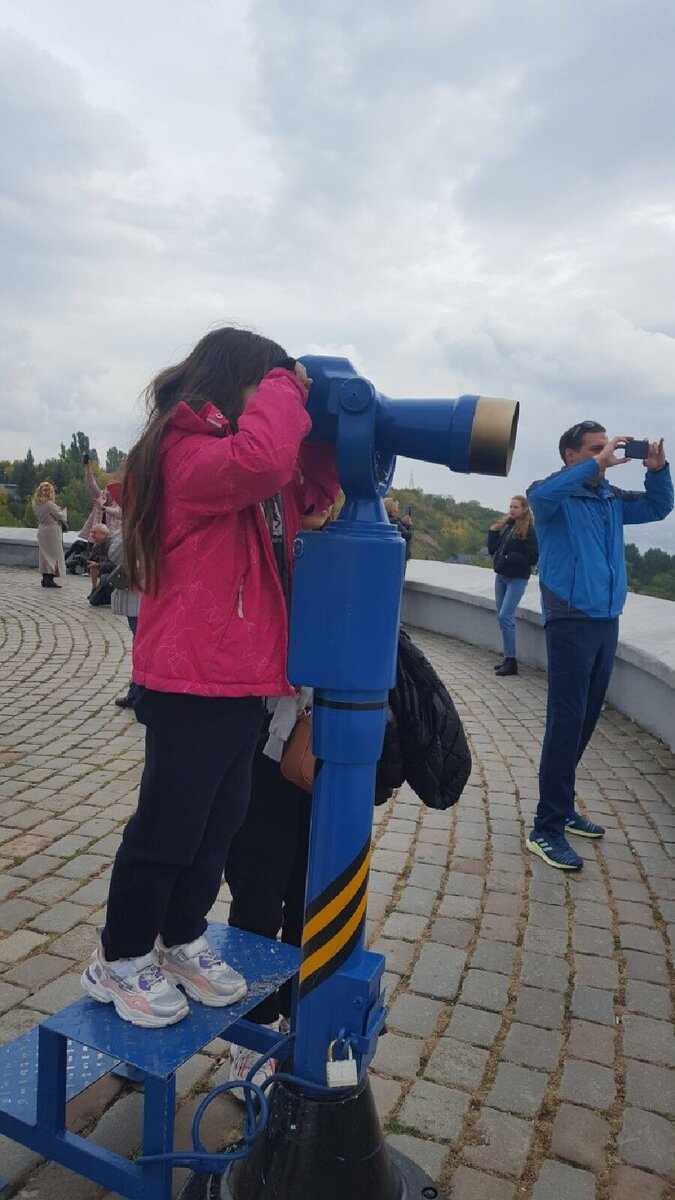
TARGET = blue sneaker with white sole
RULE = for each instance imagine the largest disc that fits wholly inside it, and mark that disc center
(582, 827)
(555, 851)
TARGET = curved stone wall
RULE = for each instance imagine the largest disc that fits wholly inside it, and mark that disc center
(459, 601)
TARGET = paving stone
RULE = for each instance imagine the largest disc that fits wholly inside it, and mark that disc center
(416, 900)
(551, 942)
(588, 913)
(438, 971)
(593, 1004)
(493, 956)
(35, 867)
(650, 1087)
(630, 913)
(499, 929)
(456, 1063)
(650, 968)
(594, 1043)
(93, 893)
(83, 866)
(588, 1083)
(474, 1185)
(547, 916)
(542, 971)
(646, 1140)
(36, 971)
(404, 926)
(452, 933)
(485, 989)
(588, 940)
(10, 995)
(596, 972)
(398, 1056)
(399, 954)
(532, 1047)
(49, 889)
(548, 893)
(59, 918)
(14, 913)
(579, 1136)
(436, 1111)
(463, 908)
(648, 999)
(535, 1006)
(624, 889)
(417, 1015)
(517, 1090)
(652, 1041)
(636, 937)
(78, 943)
(559, 1182)
(628, 1184)
(459, 884)
(473, 1025)
(18, 945)
(386, 1093)
(504, 1143)
(428, 1155)
(503, 904)
(56, 995)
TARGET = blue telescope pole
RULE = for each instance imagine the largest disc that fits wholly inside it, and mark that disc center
(323, 1143)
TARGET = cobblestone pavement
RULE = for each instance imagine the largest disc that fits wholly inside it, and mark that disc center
(530, 1049)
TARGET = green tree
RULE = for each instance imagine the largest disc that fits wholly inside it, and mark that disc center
(114, 459)
(25, 475)
(6, 515)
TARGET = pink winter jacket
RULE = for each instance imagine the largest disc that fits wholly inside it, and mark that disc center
(219, 624)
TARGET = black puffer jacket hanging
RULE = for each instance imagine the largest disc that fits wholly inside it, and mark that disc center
(425, 743)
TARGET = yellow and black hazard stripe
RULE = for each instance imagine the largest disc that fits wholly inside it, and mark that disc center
(333, 922)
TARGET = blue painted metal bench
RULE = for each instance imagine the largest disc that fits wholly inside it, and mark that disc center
(45, 1068)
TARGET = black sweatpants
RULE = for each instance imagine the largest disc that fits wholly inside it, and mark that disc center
(266, 868)
(193, 797)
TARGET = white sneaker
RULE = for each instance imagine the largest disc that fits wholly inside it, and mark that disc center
(139, 990)
(201, 974)
(243, 1060)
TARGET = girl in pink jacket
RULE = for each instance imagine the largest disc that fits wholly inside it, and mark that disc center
(214, 493)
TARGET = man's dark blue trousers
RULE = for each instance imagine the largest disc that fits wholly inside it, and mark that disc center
(580, 659)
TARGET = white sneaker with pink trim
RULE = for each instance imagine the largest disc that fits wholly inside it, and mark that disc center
(243, 1060)
(195, 968)
(138, 989)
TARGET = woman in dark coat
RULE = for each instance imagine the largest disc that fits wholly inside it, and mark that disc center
(512, 545)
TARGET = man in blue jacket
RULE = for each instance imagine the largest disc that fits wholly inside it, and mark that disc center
(579, 518)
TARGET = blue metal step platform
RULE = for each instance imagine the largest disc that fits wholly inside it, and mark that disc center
(45, 1068)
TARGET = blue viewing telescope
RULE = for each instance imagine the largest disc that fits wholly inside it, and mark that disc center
(472, 433)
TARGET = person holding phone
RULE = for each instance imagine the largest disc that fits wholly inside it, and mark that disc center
(579, 518)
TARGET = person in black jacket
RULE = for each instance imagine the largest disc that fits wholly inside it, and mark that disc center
(512, 545)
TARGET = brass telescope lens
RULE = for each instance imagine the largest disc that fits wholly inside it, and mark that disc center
(493, 436)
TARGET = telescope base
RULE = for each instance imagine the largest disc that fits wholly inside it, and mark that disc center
(318, 1149)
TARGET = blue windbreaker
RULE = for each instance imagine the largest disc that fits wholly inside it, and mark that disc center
(582, 565)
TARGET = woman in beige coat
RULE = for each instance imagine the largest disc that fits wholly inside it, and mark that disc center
(50, 534)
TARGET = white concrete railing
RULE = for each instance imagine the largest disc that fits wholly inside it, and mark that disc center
(458, 601)
(18, 546)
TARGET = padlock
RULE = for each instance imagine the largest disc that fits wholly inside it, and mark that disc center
(341, 1072)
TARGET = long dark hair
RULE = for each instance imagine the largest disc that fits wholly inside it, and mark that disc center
(220, 367)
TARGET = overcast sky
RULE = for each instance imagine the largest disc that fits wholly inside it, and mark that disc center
(459, 195)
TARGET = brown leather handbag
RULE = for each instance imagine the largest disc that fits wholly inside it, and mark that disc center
(297, 761)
